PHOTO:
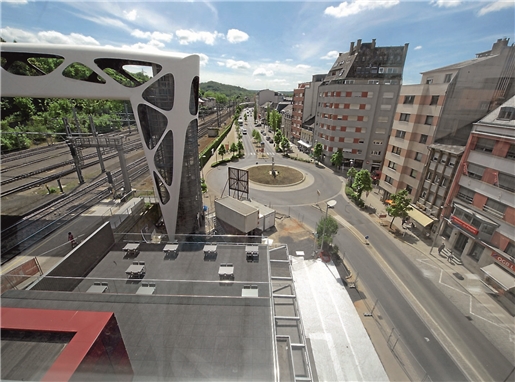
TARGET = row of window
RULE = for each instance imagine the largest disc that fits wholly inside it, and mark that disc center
(352, 106)
(410, 99)
(501, 180)
(347, 94)
(493, 206)
(405, 117)
(487, 145)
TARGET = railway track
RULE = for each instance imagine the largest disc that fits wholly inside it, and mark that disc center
(38, 224)
(50, 178)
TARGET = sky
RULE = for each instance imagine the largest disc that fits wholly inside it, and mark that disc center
(268, 44)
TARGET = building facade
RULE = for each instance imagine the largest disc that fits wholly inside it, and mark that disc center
(356, 103)
(304, 109)
(286, 114)
(441, 109)
(479, 224)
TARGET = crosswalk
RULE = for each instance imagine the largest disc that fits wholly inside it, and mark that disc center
(271, 154)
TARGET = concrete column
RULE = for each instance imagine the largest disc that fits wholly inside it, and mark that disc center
(125, 173)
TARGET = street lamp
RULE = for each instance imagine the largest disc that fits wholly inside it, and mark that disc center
(329, 204)
(202, 168)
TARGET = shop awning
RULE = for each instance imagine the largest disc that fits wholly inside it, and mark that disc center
(502, 277)
(301, 142)
(420, 218)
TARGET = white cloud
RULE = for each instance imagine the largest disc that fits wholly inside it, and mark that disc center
(235, 36)
(418, 47)
(331, 55)
(46, 37)
(356, 6)
(289, 60)
(107, 21)
(15, 1)
(237, 64)
(445, 3)
(262, 72)
(221, 63)
(130, 15)
(204, 59)
(188, 36)
(142, 46)
(302, 66)
(159, 36)
(495, 6)
(279, 80)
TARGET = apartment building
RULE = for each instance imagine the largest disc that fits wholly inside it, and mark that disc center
(286, 114)
(304, 109)
(479, 224)
(356, 103)
(267, 95)
(441, 110)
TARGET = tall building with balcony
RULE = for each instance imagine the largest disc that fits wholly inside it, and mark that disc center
(356, 103)
(479, 223)
(304, 109)
(438, 113)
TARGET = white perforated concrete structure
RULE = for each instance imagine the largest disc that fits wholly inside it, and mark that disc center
(165, 109)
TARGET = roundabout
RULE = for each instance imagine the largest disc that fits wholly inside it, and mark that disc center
(275, 175)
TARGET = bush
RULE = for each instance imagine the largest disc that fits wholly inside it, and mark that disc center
(226, 160)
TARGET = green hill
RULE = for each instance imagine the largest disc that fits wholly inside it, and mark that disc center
(229, 90)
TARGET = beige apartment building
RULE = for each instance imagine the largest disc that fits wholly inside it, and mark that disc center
(357, 101)
(304, 109)
(437, 114)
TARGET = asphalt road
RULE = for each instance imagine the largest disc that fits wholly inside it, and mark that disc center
(445, 343)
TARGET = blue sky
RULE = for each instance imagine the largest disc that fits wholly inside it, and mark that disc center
(268, 44)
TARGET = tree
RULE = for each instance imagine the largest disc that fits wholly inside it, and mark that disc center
(222, 151)
(337, 158)
(400, 205)
(362, 182)
(278, 138)
(245, 117)
(317, 152)
(351, 174)
(285, 144)
(240, 146)
(327, 228)
(233, 149)
(255, 113)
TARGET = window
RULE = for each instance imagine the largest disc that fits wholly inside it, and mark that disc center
(511, 152)
(408, 100)
(484, 144)
(447, 78)
(418, 157)
(373, 82)
(376, 142)
(413, 173)
(495, 207)
(388, 179)
(361, 141)
(404, 117)
(396, 150)
(375, 152)
(392, 165)
(506, 182)
(429, 81)
(423, 138)
(349, 82)
(429, 175)
(409, 189)
(400, 134)
(465, 194)
(477, 250)
(507, 113)
(510, 249)
(434, 100)
(429, 120)
(423, 194)
(444, 182)
(382, 119)
(474, 171)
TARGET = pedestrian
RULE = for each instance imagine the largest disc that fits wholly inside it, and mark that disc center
(71, 239)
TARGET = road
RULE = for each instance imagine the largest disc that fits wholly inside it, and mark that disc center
(445, 343)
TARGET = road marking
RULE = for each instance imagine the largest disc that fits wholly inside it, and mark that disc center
(413, 301)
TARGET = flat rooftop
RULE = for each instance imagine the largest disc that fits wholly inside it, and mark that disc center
(194, 326)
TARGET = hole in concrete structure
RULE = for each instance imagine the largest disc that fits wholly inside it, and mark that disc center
(164, 195)
(194, 96)
(153, 124)
(163, 158)
(161, 93)
(81, 72)
(30, 64)
(129, 73)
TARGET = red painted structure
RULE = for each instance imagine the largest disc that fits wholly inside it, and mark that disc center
(97, 347)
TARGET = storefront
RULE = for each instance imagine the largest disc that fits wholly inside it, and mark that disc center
(500, 276)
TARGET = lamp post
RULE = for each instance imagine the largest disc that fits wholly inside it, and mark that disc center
(203, 156)
(329, 204)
